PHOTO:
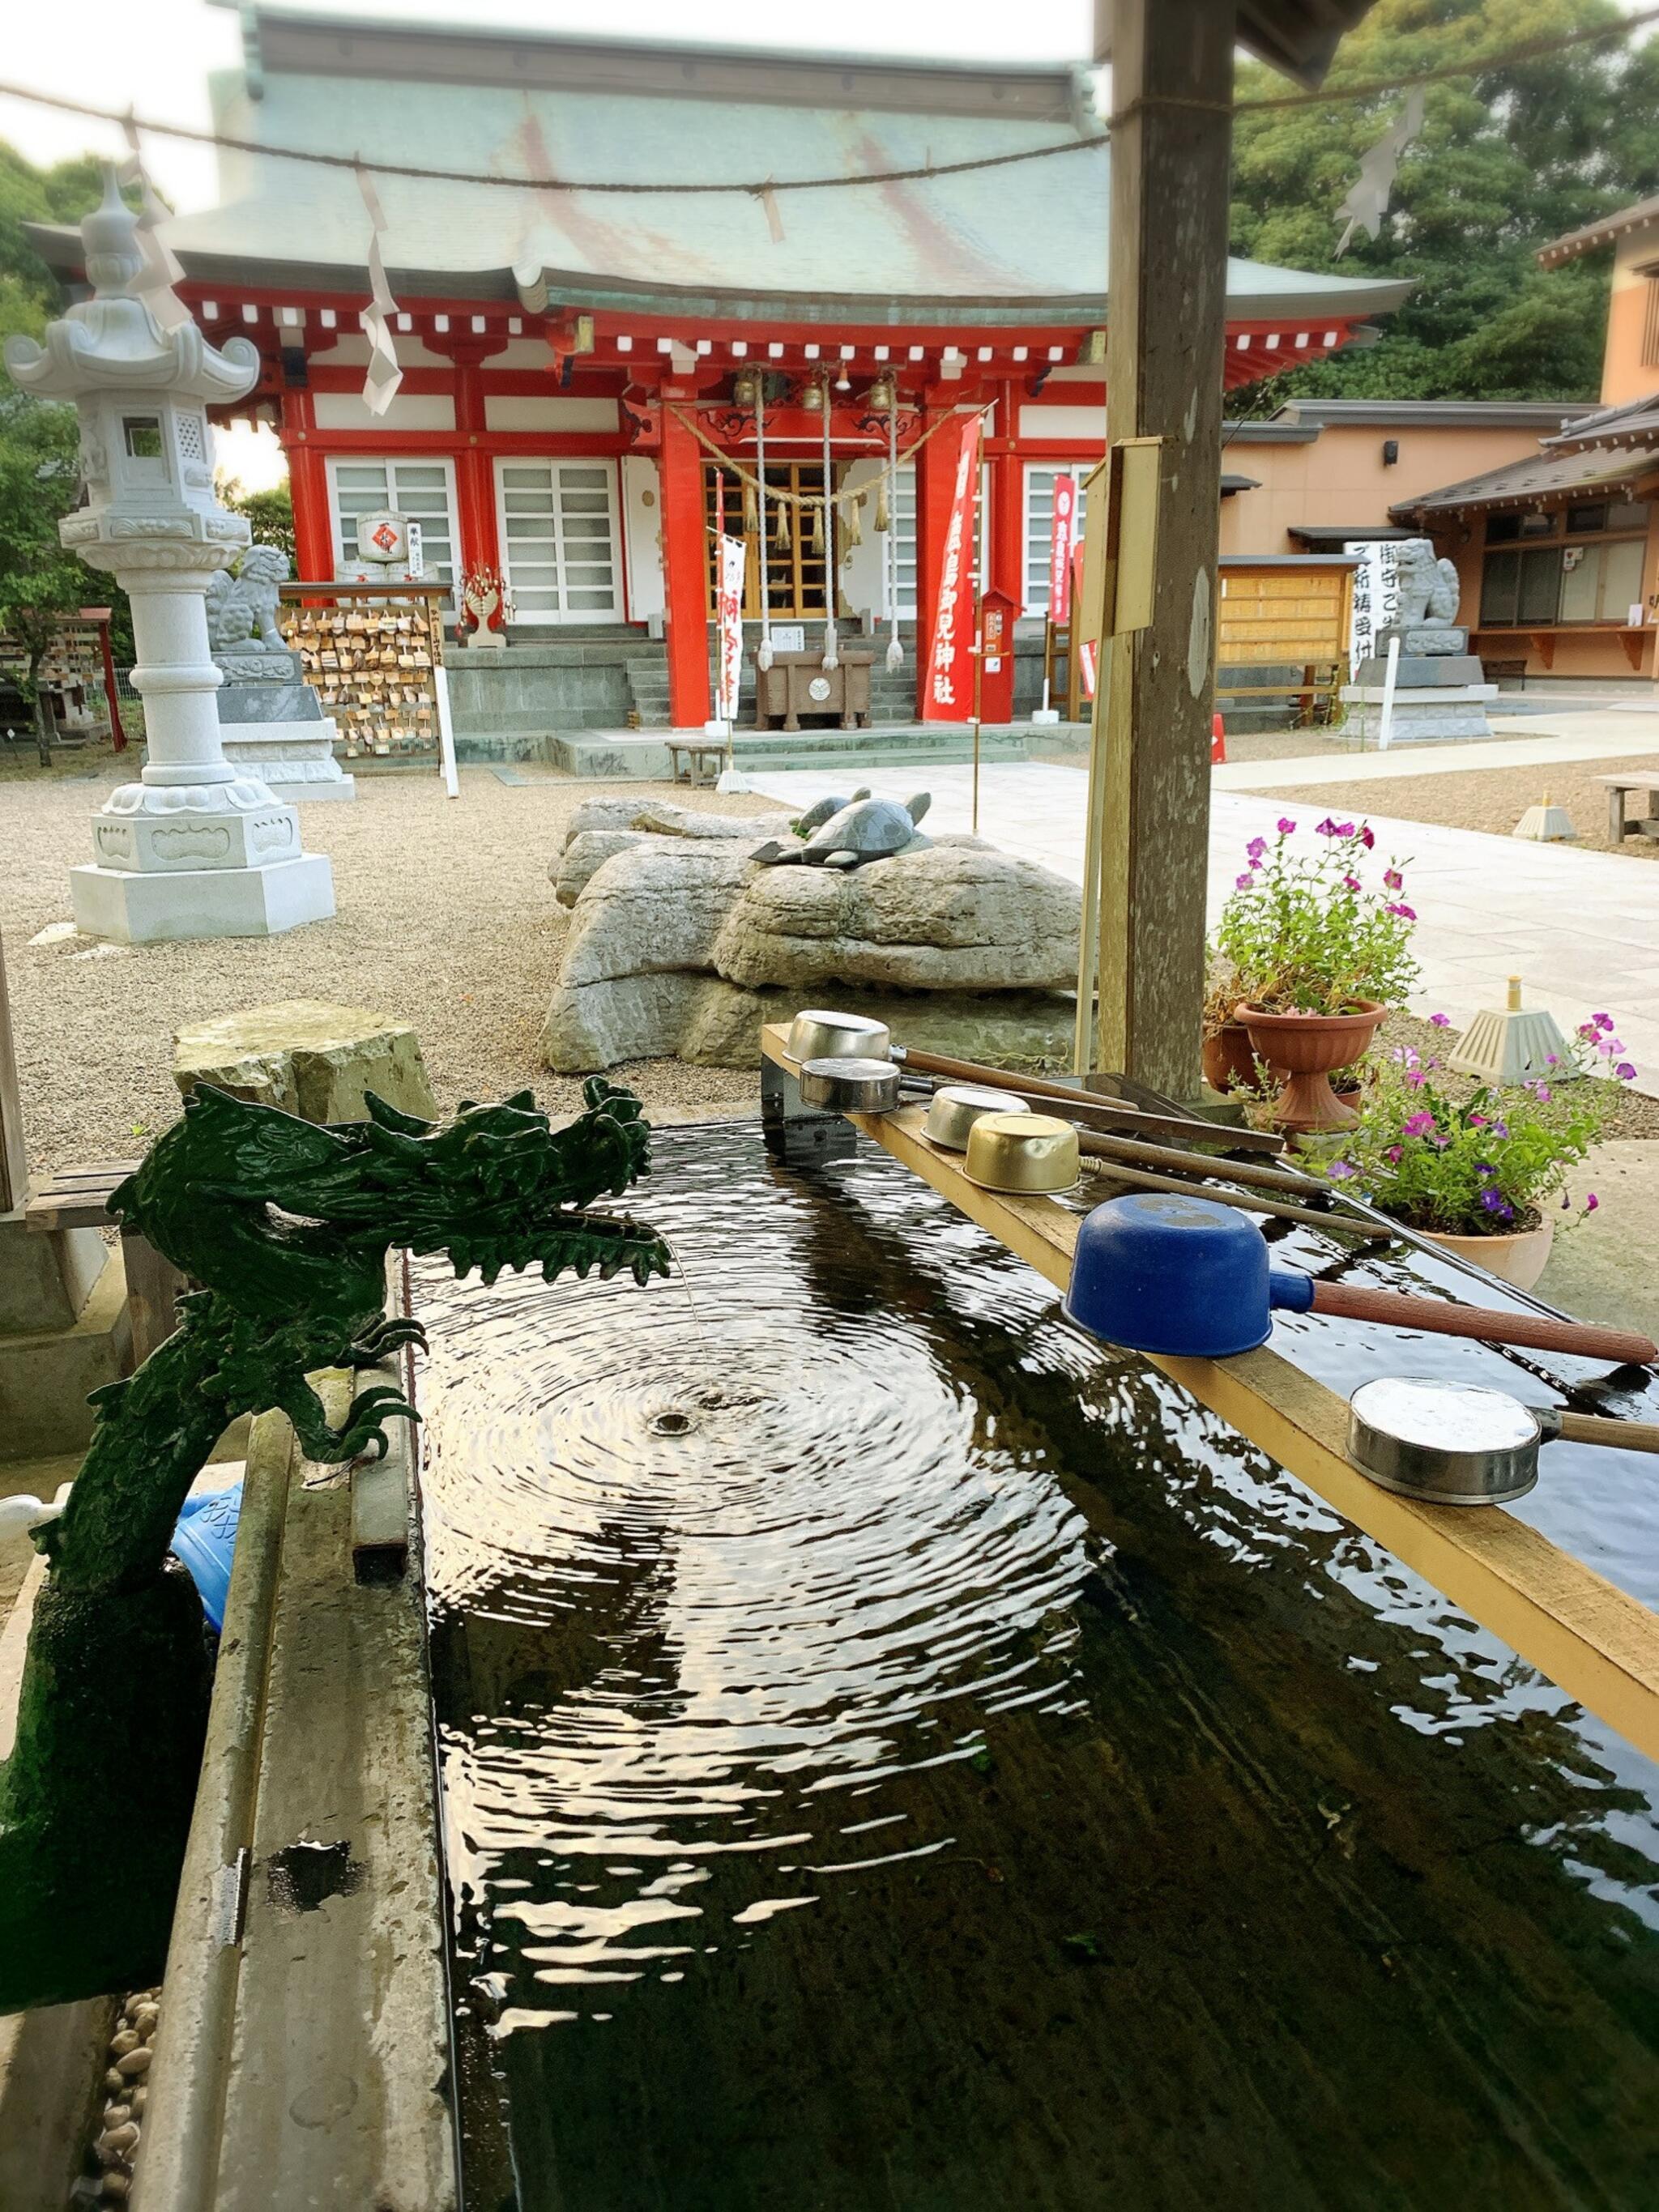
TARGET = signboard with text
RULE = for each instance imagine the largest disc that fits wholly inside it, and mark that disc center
(948, 696)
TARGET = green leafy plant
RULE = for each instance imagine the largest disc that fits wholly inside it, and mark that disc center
(1305, 933)
(1486, 1165)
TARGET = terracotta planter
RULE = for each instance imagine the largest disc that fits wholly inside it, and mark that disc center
(1517, 1257)
(1229, 1062)
(1310, 1048)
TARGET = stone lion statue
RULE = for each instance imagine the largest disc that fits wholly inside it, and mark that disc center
(1428, 587)
(241, 613)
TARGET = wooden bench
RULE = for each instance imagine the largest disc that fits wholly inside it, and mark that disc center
(78, 1198)
(1647, 825)
(691, 756)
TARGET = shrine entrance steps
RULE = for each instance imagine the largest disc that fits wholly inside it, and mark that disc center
(921, 744)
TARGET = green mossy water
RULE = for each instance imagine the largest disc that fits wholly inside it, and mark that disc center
(900, 1758)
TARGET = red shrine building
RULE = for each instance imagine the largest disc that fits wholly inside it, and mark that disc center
(581, 367)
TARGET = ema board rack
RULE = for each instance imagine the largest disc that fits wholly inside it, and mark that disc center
(372, 653)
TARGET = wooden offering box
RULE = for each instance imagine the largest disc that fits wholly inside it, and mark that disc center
(798, 686)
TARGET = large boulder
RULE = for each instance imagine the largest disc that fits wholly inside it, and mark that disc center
(955, 915)
(685, 946)
(600, 827)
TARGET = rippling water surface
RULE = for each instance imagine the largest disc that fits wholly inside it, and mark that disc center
(897, 1754)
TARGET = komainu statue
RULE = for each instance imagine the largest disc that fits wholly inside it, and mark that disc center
(285, 1225)
(1428, 588)
(241, 613)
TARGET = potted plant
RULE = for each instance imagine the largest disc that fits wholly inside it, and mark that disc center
(1229, 1060)
(1478, 1175)
(1320, 955)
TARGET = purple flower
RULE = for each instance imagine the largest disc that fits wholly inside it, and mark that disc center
(1418, 1124)
(1351, 883)
(1257, 848)
(1436, 1021)
(1343, 830)
(1408, 913)
(1485, 1167)
(1285, 825)
(1542, 1092)
(1392, 1152)
(1243, 882)
(1551, 1060)
(1495, 1202)
(1416, 1077)
(1341, 1171)
(1625, 1072)
(1591, 1201)
(1326, 827)
(1613, 1045)
(1602, 1021)
(1500, 1129)
(1367, 836)
(1566, 1201)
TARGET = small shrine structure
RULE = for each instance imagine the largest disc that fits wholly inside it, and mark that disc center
(592, 380)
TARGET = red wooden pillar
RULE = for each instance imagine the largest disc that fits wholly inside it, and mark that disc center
(307, 479)
(685, 567)
(1006, 472)
(475, 473)
(935, 484)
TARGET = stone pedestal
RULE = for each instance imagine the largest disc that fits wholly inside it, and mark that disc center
(1424, 713)
(63, 1331)
(271, 727)
(308, 1058)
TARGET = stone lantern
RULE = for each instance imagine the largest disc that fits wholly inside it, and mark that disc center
(196, 848)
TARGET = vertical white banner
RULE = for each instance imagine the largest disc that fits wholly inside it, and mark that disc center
(1376, 597)
(732, 558)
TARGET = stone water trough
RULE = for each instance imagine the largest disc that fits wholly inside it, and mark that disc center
(681, 943)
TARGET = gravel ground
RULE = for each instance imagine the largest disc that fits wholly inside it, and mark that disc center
(1635, 1115)
(1493, 799)
(446, 918)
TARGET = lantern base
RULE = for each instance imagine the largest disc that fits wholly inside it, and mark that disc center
(153, 909)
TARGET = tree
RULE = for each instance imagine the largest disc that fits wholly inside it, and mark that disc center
(1507, 160)
(41, 582)
(29, 292)
(269, 513)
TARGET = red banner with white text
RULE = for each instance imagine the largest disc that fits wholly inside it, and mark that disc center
(949, 696)
(1060, 550)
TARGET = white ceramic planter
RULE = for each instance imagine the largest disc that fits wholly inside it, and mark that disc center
(1517, 1259)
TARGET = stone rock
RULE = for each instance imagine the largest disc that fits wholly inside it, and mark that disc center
(668, 820)
(957, 914)
(309, 1058)
(683, 944)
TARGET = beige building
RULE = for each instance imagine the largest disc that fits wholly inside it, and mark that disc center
(1559, 550)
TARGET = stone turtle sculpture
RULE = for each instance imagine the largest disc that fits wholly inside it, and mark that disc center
(821, 810)
(864, 829)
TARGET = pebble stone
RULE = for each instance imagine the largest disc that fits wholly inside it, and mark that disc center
(116, 2144)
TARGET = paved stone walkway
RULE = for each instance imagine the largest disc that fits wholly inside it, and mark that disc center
(1573, 737)
(1582, 929)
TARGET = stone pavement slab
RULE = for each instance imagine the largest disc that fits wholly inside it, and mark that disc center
(1573, 737)
(1580, 928)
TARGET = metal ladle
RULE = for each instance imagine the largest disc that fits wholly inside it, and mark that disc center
(1461, 1443)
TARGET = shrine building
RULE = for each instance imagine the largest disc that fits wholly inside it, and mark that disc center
(582, 369)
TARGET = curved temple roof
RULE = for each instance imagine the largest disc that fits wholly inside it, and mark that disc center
(1022, 243)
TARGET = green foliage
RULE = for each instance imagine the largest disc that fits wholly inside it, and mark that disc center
(1507, 160)
(1485, 1164)
(269, 513)
(29, 293)
(1302, 933)
(39, 582)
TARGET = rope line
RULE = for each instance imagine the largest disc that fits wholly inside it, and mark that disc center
(810, 500)
(1529, 50)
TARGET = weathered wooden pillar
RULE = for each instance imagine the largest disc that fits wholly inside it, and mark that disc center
(1172, 68)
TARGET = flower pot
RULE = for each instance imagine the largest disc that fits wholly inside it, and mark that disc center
(1310, 1048)
(1516, 1256)
(1229, 1062)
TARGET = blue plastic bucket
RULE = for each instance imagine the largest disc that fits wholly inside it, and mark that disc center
(204, 1538)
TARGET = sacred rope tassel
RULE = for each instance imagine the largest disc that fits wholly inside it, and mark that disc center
(854, 525)
(763, 651)
(814, 536)
(831, 655)
(783, 540)
(882, 518)
(889, 550)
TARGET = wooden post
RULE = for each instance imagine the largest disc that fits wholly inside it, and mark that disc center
(308, 474)
(13, 1160)
(685, 564)
(1172, 66)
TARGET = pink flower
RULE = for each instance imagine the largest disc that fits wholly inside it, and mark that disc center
(1257, 848)
(1367, 836)
(1439, 1021)
(1243, 882)
(1394, 881)
(1392, 1152)
(1325, 829)
(1602, 1021)
(1625, 1072)
(1343, 830)
(1351, 883)
(1406, 913)
(1542, 1092)
(1416, 1077)
(1477, 1121)
(1613, 1045)
(1591, 1201)
(1285, 825)
(1418, 1124)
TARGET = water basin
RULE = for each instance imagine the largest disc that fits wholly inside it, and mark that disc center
(898, 1756)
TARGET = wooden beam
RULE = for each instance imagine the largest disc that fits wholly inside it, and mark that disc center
(1172, 68)
(1601, 1646)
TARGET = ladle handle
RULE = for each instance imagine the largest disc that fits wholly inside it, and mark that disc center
(1596, 1429)
(1399, 1309)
